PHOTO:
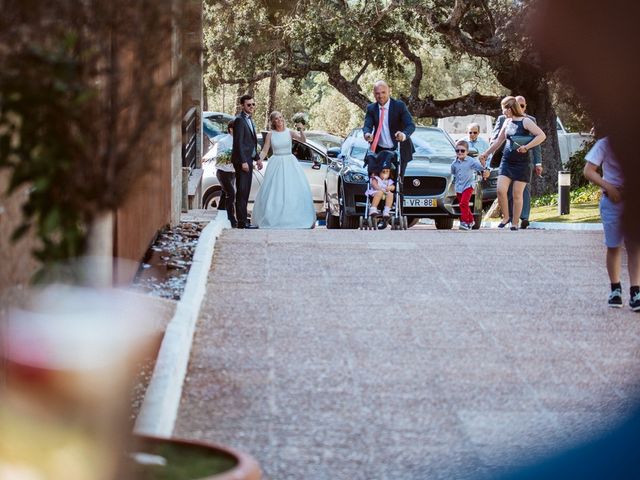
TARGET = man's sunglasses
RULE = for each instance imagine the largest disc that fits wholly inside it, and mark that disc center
(460, 150)
(251, 104)
(473, 133)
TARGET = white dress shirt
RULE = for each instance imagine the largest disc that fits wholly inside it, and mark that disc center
(385, 139)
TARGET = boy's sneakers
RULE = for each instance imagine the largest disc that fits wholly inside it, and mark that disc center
(634, 302)
(386, 212)
(615, 299)
(464, 226)
(374, 212)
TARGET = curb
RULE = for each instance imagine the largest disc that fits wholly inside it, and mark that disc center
(555, 226)
(162, 399)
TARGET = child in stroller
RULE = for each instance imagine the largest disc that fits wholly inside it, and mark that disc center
(381, 187)
(381, 168)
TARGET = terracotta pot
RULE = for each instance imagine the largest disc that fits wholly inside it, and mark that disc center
(246, 467)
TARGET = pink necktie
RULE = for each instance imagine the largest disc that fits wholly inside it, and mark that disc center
(378, 131)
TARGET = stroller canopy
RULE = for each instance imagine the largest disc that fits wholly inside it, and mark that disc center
(376, 161)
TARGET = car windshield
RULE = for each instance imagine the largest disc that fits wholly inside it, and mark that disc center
(214, 126)
(427, 142)
(432, 143)
(327, 140)
(358, 152)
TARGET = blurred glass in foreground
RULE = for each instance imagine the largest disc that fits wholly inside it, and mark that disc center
(68, 356)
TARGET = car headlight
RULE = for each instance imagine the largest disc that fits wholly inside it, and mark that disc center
(355, 177)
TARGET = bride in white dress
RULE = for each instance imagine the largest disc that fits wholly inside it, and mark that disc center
(284, 199)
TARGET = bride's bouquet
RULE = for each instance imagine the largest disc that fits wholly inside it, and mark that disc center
(224, 158)
(300, 120)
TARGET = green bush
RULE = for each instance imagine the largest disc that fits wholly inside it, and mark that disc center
(576, 164)
(587, 194)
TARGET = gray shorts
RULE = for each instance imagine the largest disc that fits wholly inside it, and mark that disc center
(611, 215)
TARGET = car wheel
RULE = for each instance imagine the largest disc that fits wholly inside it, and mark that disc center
(413, 222)
(346, 221)
(444, 223)
(331, 220)
(211, 199)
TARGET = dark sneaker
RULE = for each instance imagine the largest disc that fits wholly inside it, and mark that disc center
(464, 226)
(524, 224)
(615, 299)
(634, 302)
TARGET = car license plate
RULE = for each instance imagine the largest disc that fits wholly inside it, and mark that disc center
(420, 202)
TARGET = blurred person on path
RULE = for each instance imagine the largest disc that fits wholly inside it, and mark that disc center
(611, 207)
(572, 34)
(515, 166)
(243, 153)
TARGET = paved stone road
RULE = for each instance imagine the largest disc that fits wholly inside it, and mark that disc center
(472, 350)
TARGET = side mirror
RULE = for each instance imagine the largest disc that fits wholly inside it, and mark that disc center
(316, 165)
(473, 152)
(333, 152)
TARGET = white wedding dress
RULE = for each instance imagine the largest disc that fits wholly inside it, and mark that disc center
(284, 199)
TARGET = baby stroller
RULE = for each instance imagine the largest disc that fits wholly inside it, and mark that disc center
(375, 163)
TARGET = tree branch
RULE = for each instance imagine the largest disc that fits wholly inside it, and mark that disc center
(254, 79)
(456, 37)
(385, 11)
(466, 105)
(350, 90)
(417, 62)
(360, 72)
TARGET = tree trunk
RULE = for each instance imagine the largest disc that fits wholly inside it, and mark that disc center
(239, 92)
(271, 105)
(542, 109)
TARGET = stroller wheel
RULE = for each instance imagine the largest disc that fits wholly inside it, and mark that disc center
(361, 223)
(405, 223)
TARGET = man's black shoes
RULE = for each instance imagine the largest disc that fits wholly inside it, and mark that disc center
(524, 223)
(247, 227)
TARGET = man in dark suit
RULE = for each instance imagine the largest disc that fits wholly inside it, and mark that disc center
(396, 126)
(243, 153)
(536, 157)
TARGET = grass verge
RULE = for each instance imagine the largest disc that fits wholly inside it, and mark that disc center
(580, 213)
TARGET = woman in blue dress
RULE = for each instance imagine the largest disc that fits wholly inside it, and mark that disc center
(516, 164)
(284, 199)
